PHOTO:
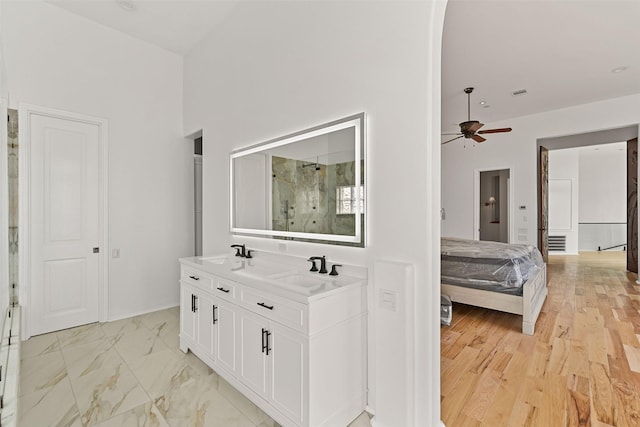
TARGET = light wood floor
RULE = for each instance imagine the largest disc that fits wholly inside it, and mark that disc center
(581, 368)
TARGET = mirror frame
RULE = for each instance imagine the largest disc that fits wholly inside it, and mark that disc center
(358, 122)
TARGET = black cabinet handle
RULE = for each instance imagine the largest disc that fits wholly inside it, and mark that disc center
(215, 319)
(226, 291)
(261, 304)
(193, 303)
(268, 346)
(264, 335)
(195, 277)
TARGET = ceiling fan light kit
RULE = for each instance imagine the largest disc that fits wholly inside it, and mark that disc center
(471, 128)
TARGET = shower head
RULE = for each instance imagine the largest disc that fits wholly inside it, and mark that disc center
(316, 166)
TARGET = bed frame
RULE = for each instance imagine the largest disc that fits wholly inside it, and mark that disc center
(528, 305)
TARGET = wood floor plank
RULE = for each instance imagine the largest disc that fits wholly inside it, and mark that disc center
(602, 402)
(578, 402)
(578, 409)
(456, 369)
(477, 405)
(452, 404)
(626, 404)
(523, 415)
(633, 357)
(627, 334)
(510, 384)
(578, 360)
(558, 359)
(552, 409)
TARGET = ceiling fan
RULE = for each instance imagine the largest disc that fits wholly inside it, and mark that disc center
(470, 128)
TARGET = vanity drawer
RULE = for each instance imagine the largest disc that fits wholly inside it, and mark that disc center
(287, 312)
(197, 277)
(225, 289)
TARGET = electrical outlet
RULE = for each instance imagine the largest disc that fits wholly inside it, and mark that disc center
(115, 253)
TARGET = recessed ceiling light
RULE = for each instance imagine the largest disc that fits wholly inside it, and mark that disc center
(619, 69)
(127, 5)
(483, 102)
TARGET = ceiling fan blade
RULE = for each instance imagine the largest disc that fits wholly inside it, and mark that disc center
(496, 130)
(478, 138)
(475, 126)
(446, 142)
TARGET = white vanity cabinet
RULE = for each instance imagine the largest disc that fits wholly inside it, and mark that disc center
(272, 362)
(299, 356)
(207, 324)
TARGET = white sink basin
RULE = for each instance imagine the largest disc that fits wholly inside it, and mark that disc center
(221, 259)
(300, 280)
(263, 271)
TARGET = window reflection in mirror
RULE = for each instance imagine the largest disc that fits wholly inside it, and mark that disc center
(307, 186)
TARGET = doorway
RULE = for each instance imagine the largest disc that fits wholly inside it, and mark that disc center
(493, 205)
(197, 196)
(599, 213)
(196, 139)
(63, 210)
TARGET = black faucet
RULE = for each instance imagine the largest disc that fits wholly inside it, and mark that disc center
(240, 250)
(323, 263)
(334, 272)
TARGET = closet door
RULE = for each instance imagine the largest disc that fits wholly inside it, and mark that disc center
(65, 222)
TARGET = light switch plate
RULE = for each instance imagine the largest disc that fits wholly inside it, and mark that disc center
(388, 300)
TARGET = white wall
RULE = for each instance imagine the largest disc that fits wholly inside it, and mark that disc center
(603, 183)
(518, 149)
(4, 183)
(564, 195)
(273, 68)
(60, 60)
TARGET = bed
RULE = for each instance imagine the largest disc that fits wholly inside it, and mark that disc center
(498, 276)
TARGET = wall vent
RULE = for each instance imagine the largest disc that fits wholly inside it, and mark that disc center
(557, 243)
(519, 92)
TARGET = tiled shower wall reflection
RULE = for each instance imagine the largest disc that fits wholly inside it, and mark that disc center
(12, 149)
(304, 196)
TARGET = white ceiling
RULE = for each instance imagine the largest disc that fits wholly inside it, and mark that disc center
(561, 52)
(175, 25)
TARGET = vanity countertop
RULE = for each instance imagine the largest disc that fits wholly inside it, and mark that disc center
(280, 278)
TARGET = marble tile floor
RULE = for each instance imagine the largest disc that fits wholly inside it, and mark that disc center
(128, 373)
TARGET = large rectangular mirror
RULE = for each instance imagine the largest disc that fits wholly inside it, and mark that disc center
(307, 186)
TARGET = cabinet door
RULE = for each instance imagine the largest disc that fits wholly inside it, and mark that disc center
(205, 330)
(225, 345)
(187, 316)
(286, 364)
(252, 365)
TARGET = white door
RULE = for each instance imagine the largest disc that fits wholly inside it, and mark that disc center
(252, 366)
(286, 360)
(206, 329)
(65, 225)
(226, 337)
(187, 315)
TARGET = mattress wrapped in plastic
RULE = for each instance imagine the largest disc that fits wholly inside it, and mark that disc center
(491, 266)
